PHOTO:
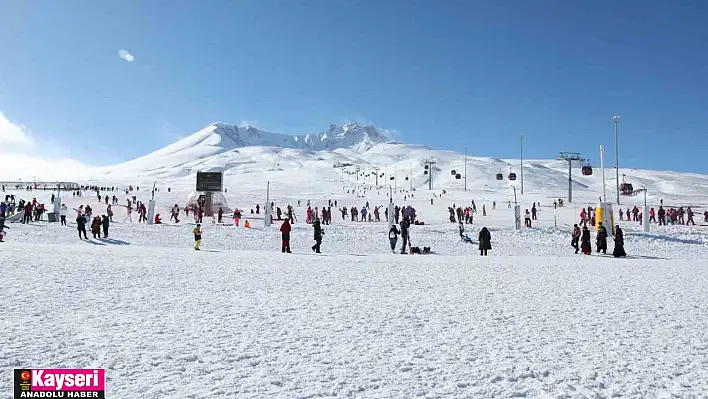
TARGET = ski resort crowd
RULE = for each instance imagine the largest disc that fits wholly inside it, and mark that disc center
(317, 217)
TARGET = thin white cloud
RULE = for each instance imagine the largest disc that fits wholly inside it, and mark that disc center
(124, 54)
(23, 157)
(12, 133)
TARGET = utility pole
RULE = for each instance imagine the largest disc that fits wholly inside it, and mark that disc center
(465, 168)
(376, 170)
(616, 119)
(602, 167)
(522, 164)
(430, 163)
(570, 157)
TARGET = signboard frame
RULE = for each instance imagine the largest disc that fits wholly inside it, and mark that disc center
(207, 181)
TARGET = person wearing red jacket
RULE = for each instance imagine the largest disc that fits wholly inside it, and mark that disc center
(285, 231)
(28, 213)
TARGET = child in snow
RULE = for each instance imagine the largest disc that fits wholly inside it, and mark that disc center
(285, 229)
(197, 236)
(393, 237)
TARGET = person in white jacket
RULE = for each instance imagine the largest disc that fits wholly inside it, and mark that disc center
(62, 214)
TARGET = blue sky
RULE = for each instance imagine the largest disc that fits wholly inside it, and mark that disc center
(448, 74)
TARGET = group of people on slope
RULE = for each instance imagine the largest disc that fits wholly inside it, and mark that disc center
(581, 240)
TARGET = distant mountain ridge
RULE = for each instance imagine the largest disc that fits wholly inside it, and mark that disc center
(350, 135)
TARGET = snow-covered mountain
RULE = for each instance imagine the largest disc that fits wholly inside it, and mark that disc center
(250, 156)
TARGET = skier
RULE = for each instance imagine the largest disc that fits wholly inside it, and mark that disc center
(621, 213)
(533, 211)
(619, 252)
(81, 226)
(601, 238)
(105, 222)
(393, 237)
(220, 215)
(527, 218)
(318, 235)
(62, 214)
(585, 241)
(484, 209)
(197, 236)
(652, 215)
(662, 216)
(157, 219)
(576, 238)
(485, 241)
(285, 234)
(258, 208)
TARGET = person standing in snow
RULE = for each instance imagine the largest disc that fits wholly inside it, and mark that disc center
(285, 229)
(527, 218)
(405, 225)
(96, 227)
(197, 236)
(393, 237)
(601, 238)
(575, 238)
(619, 252)
(485, 241)
(689, 215)
(318, 235)
(220, 215)
(585, 241)
(62, 214)
(105, 222)
(81, 226)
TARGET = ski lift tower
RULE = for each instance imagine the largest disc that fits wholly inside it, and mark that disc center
(429, 163)
(570, 157)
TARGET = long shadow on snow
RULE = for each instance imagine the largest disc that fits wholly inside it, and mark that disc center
(114, 242)
(668, 238)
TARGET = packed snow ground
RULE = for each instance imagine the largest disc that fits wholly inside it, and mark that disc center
(171, 322)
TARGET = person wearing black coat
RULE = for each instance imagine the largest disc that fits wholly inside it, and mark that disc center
(393, 237)
(81, 226)
(485, 241)
(318, 235)
(601, 238)
(618, 252)
(105, 222)
(405, 225)
(585, 241)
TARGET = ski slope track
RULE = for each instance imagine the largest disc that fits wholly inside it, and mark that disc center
(240, 319)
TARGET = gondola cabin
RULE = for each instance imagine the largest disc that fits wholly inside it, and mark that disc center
(391, 178)
(453, 172)
(406, 178)
(626, 189)
(512, 176)
(500, 176)
(425, 172)
(458, 176)
(587, 170)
